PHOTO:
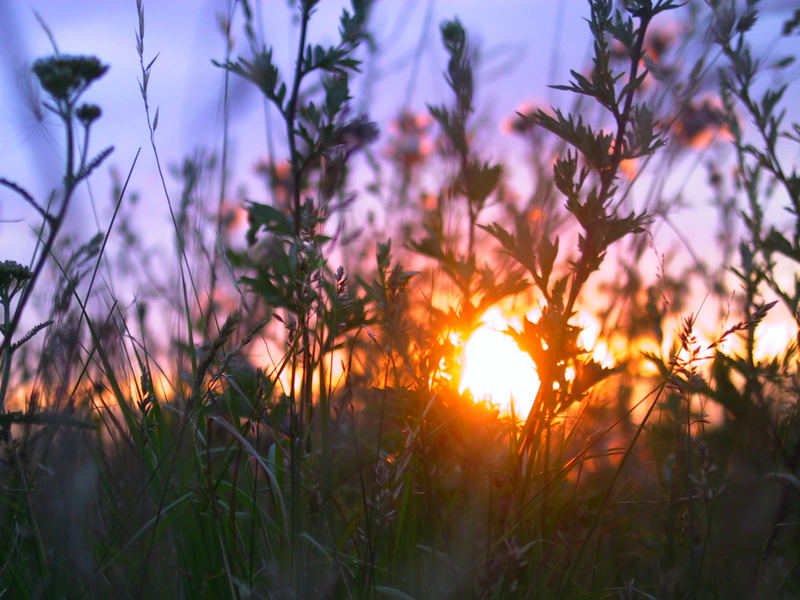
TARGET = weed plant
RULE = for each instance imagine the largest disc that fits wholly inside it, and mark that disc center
(350, 464)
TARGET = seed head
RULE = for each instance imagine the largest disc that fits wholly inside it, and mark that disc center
(88, 113)
(12, 277)
(65, 77)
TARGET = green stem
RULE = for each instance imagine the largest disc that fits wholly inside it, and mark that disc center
(6, 365)
(55, 227)
(607, 178)
(290, 116)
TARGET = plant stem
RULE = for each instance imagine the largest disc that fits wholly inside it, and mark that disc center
(291, 115)
(55, 227)
(6, 368)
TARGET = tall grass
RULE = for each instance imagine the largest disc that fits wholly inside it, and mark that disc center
(349, 464)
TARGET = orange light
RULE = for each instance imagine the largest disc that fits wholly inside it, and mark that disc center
(495, 370)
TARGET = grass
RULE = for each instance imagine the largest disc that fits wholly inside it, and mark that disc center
(349, 464)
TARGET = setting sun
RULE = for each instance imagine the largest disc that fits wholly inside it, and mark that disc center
(495, 369)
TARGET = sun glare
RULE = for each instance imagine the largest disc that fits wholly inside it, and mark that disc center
(495, 370)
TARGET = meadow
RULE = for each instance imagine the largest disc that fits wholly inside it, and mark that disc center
(394, 371)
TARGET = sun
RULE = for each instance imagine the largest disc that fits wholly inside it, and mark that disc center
(495, 370)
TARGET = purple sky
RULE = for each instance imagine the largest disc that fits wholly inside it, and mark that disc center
(516, 38)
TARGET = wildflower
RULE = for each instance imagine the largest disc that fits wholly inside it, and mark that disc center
(88, 113)
(699, 124)
(12, 277)
(66, 77)
(411, 142)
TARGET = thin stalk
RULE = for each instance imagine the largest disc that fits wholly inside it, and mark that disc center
(223, 175)
(55, 227)
(181, 244)
(291, 115)
(694, 572)
(301, 334)
(9, 352)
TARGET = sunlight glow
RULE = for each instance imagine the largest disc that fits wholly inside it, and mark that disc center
(772, 339)
(495, 370)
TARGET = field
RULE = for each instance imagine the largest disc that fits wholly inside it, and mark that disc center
(399, 369)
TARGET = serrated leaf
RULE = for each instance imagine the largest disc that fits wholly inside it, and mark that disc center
(479, 180)
(261, 72)
(595, 146)
(776, 242)
(281, 95)
(792, 23)
(269, 218)
(547, 255)
(589, 374)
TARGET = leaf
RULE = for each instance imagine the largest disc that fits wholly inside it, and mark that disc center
(785, 478)
(252, 452)
(603, 92)
(269, 218)
(43, 418)
(776, 242)
(784, 62)
(547, 256)
(622, 30)
(792, 23)
(589, 374)
(453, 128)
(595, 146)
(515, 246)
(746, 21)
(459, 67)
(479, 180)
(640, 138)
(393, 593)
(724, 391)
(261, 72)
(564, 171)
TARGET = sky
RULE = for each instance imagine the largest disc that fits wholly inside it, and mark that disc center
(187, 88)
(525, 44)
